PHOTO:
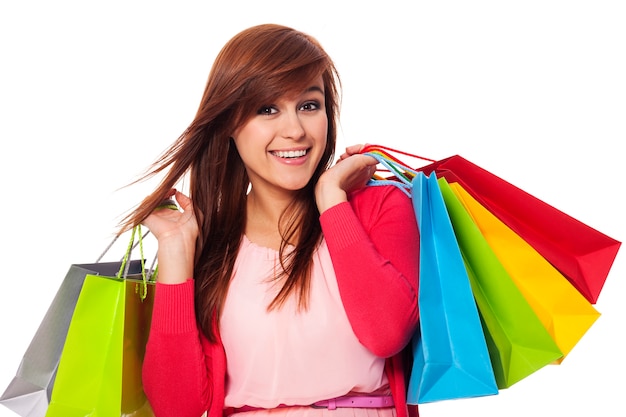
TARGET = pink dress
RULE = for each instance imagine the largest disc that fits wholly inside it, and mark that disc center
(292, 357)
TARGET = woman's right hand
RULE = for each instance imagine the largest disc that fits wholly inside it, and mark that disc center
(176, 232)
(352, 171)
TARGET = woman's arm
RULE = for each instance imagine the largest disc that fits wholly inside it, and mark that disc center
(175, 372)
(374, 245)
(175, 369)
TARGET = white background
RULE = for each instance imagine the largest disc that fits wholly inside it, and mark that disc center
(534, 91)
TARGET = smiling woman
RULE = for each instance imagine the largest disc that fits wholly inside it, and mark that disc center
(275, 252)
(532, 91)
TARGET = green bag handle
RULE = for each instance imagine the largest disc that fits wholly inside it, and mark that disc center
(123, 271)
(146, 276)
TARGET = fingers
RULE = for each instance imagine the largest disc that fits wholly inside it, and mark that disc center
(149, 221)
(354, 169)
(168, 201)
(352, 150)
(172, 198)
(183, 201)
(167, 204)
(173, 217)
(364, 161)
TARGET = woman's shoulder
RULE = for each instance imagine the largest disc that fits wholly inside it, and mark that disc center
(375, 195)
(373, 201)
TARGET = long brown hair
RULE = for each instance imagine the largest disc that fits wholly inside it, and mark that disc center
(255, 67)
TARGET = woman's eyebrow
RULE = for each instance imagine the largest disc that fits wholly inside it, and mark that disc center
(314, 88)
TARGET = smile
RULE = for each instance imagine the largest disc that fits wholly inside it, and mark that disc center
(290, 154)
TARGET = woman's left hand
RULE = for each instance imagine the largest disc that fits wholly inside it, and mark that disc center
(352, 171)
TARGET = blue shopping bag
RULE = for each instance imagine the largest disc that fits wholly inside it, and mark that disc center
(450, 355)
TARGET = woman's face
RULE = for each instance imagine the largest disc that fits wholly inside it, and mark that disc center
(282, 144)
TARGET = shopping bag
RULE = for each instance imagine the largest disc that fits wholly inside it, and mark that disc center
(518, 342)
(100, 368)
(561, 308)
(99, 372)
(582, 254)
(28, 394)
(450, 355)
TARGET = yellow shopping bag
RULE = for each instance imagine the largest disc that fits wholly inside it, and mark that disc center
(566, 314)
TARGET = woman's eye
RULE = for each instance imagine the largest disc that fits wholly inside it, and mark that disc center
(310, 106)
(266, 110)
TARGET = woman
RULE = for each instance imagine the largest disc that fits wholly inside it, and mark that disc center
(285, 285)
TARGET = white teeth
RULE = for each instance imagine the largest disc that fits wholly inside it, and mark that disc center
(290, 154)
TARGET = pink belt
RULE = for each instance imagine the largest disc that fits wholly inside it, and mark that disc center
(356, 401)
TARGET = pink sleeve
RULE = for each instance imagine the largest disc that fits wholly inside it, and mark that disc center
(175, 375)
(374, 245)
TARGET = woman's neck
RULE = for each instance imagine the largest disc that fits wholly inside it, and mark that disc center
(263, 215)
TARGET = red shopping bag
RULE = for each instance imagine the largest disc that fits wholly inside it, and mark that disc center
(581, 253)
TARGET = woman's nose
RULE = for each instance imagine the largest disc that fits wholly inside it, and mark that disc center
(292, 127)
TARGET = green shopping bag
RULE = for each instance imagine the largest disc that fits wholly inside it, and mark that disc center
(30, 390)
(99, 372)
(518, 342)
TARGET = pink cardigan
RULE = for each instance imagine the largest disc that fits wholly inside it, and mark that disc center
(374, 245)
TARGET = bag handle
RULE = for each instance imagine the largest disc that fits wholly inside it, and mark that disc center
(122, 273)
(402, 172)
(149, 275)
(106, 250)
(388, 153)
